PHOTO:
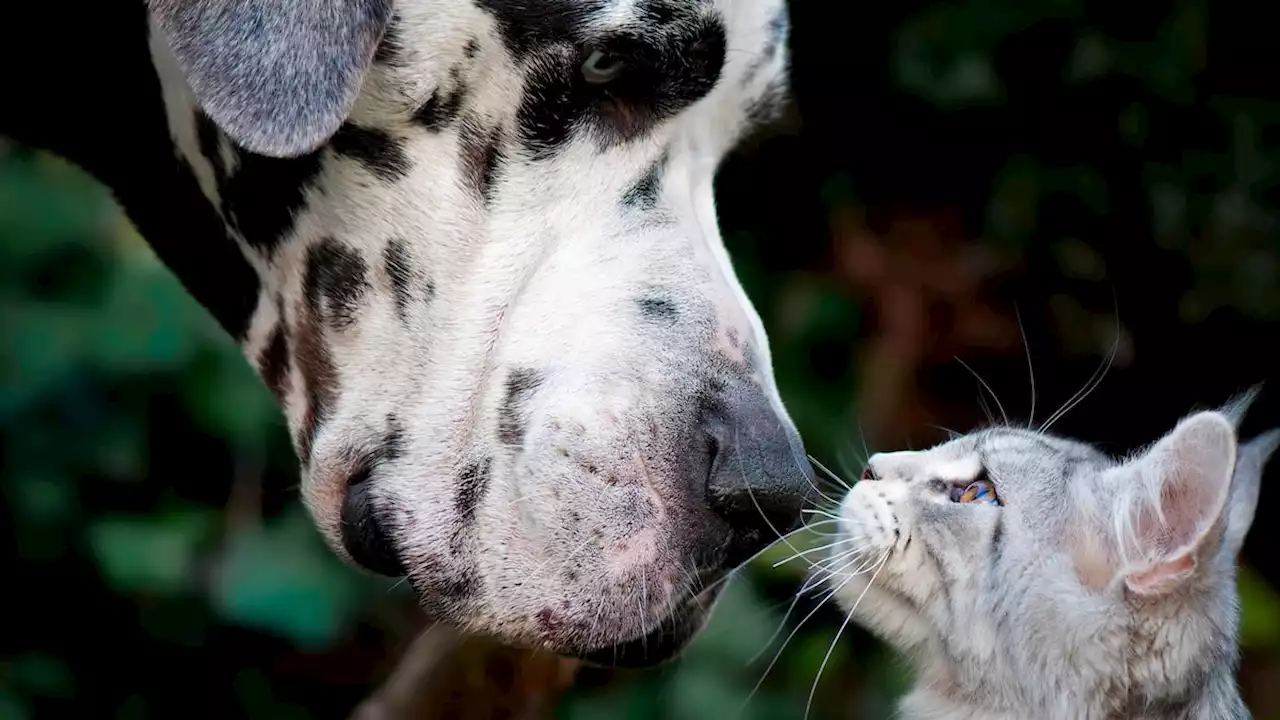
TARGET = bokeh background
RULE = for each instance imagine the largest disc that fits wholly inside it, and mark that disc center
(1088, 184)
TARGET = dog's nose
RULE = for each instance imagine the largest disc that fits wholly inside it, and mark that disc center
(364, 534)
(760, 479)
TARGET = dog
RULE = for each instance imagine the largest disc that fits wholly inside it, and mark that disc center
(471, 246)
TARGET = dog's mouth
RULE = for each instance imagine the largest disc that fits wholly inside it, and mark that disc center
(662, 643)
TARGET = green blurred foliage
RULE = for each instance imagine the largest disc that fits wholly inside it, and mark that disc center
(130, 424)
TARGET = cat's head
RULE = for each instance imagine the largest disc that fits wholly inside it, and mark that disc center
(1019, 568)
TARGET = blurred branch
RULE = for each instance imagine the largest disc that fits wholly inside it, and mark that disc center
(447, 674)
(925, 284)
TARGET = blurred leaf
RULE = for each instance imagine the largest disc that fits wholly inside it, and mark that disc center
(152, 553)
(1260, 612)
(11, 706)
(42, 675)
(279, 577)
(227, 399)
(45, 499)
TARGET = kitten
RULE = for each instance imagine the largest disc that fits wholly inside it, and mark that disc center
(1031, 576)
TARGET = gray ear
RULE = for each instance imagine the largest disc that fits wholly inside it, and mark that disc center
(1236, 407)
(1251, 461)
(278, 76)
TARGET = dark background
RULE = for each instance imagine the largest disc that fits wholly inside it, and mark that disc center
(1101, 179)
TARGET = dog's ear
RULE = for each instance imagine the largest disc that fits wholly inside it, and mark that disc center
(278, 76)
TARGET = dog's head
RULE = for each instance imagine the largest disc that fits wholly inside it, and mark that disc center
(496, 306)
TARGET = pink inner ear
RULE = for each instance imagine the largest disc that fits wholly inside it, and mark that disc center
(1162, 576)
(1189, 474)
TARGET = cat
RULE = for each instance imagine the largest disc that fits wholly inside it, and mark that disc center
(1027, 575)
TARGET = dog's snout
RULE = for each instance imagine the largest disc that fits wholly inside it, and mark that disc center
(364, 534)
(759, 479)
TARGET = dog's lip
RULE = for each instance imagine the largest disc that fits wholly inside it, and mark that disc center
(663, 642)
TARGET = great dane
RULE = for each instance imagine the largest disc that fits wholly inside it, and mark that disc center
(471, 246)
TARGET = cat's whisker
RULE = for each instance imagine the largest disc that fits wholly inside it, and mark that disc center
(810, 551)
(951, 434)
(812, 582)
(853, 555)
(1094, 381)
(826, 471)
(737, 447)
(866, 453)
(1031, 372)
(984, 384)
(788, 639)
(782, 537)
(847, 617)
(851, 469)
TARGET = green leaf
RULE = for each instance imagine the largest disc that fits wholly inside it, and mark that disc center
(1260, 612)
(11, 706)
(152, 553)
(42, 675)
(228, 400)
(279, 577)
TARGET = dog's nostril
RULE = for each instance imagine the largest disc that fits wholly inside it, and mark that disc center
(758, 479)
(363, 533)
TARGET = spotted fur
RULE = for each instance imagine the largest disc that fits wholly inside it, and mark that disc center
(491, 295)
(1095, 589)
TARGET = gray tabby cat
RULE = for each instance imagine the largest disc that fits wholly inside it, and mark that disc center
(1031, 576)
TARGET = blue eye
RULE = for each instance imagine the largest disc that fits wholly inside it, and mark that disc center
(978, 491)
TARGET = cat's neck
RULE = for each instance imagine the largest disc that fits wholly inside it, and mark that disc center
(1217, 699)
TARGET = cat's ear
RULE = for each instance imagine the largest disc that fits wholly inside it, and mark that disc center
(1170, 499)
(1251, 460)
(278, 76)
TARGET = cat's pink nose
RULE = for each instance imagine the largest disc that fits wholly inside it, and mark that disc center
(868, 474)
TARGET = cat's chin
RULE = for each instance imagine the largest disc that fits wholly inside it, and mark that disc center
(663, 642)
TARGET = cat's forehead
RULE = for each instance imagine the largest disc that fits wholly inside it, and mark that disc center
(1010, 452)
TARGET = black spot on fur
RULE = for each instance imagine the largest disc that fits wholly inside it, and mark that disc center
(666, 68)
(777, 34)
(392, 446)
(526, 26)
(334, 282)
(521, 384)
(209, 137)
(399, 266)
(442, 108)
(390, 49)
(381, 154)
(644, 194)
(262, 196)
(472, 484)
(658, 309)
(319, 378)
(471, 49)
(481, 157)
(445, 589)
(273, 362)
(772, 102)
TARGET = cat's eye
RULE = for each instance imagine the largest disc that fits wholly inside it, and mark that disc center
(981, 491)
(601, 67)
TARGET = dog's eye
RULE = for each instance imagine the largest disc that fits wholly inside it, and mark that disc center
(981, 491)
(601, 67)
